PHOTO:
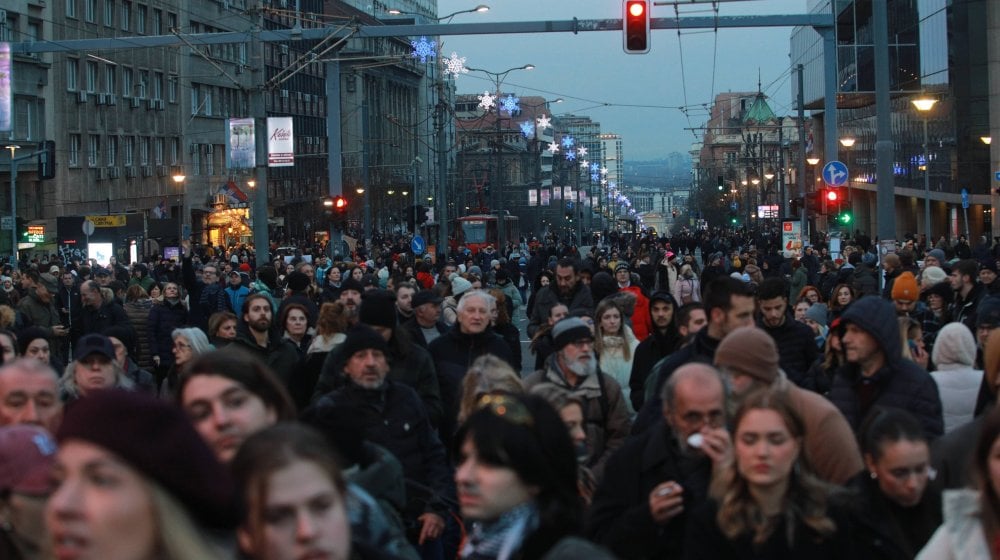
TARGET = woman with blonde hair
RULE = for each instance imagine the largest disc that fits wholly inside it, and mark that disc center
(615, 344)
(488, 374)
(764, 501)
(331, 328)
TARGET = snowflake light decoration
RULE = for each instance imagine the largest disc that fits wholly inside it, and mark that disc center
(568, 142)
(544, 122)
(595, 177)
(423, 49)
(581, 151)
(528, 129)
(510, 104)
(487, 101)
(613, 184)
(604, 171)
(595, 167)
(553, 148)
(454, 65)
(570, 155)
(604, 181)
(584, 164)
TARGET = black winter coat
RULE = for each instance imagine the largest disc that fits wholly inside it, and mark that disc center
(163, 319)
(619, 516)
(796, 347)
(884, 530)
(899, 384)
(649, 352)
(109, 314)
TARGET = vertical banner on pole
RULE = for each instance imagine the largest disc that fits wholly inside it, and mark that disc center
(556, 193)
(532, 197)
(280, 142)
(545, 198)
(6, 83)
(241, 147)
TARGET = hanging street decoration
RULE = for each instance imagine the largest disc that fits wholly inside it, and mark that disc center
(604, 171)
(613, 185)
(581, 151)
(585, 164)
(595, 177)
(510, 104)
(487, 101)
(454, 65)
(544, 122)
(570, 155)
(568, 142)
(528, 129)
(423, 49)
(595, 167)
(553, 148)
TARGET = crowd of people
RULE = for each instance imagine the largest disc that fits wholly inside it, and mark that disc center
(700, 396)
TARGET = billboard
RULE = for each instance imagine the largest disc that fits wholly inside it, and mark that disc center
(241, 144)
(280, 142)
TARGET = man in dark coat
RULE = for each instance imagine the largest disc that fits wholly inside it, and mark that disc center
(795, 341)
(207, 295)
(254, 335)
(876, 374)
(664, 339)
(98, 314)
(394, 418)
(426, 324)
(569, 290)
(652, 483)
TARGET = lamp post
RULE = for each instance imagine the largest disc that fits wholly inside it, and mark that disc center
(924, 106)
(480, 8)
(497, 188)
(179, 181)
(13, 206)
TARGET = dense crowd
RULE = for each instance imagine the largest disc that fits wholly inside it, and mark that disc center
(697, 396)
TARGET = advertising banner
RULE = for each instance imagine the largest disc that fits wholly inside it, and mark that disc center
(241, 144)
(532, 197)
(280, 142)
(6, 83)
(545, 197)
(791, 239)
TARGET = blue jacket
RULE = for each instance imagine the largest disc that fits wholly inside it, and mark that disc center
(236, 297)
(900, 383)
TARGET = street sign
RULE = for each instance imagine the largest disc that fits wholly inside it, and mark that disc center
(835, 174)
(7, 222)
(110, 220)
(88, 228)
(996, 175)
(965, 199)
(417, 245)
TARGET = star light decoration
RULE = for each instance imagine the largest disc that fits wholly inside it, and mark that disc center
(568, 142)
(510, 104)
(423, 49)
(487, 101)
(553, 148)
(543, 122)
(528, 129)
(581, 151)
(454, 65)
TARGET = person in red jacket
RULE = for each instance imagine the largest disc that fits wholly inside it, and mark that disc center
(642, 324)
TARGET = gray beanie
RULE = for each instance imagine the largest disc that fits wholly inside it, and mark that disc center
(459, 285)
(938, 254)
(570, 329)
(817, 313)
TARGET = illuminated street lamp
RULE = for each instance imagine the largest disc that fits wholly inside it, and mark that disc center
(13, 206)
(986, 140)
(847, 142)
(812, 160)
(924, 106)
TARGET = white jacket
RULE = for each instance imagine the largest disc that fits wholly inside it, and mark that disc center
(959, 389)
(961, 536)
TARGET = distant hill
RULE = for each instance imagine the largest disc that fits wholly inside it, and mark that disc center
(671, 171)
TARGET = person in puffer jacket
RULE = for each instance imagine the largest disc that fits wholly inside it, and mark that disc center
(876, 374)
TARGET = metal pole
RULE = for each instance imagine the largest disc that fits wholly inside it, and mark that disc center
(365, 177)
(442, 194)
(497, 194)
(883, 146)
(803, 188)
(927, 190)
(13, 211)
(261, 237)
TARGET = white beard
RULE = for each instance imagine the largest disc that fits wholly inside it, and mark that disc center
(583, 368)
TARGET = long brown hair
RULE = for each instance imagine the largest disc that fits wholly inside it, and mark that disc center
(806, 496)
(603, 307)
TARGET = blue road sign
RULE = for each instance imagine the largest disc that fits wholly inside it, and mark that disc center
(835, 174)
(965, 199)
(417, 245)
(996, 175)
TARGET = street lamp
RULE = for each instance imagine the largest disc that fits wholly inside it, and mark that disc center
(179, 181)
(812, 160)
(847, 141)
(13, 206)
(480, 8)
(986, 140)
(497, 189)
(924, 106)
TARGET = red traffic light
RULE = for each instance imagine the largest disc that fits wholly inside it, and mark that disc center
(339, 204)
(635, 26)
(832, 196)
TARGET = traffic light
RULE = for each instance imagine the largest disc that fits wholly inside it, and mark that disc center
(635, 26)
(421, 214)
(47, 160)
(721, 181)
(845, 217)
(339, 205)
(832, 199)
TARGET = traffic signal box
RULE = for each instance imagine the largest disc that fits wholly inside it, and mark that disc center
(635, 26)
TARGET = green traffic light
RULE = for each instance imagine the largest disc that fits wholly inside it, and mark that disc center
(845, 218)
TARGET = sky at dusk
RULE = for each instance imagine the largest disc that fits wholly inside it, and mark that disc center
(640, 97)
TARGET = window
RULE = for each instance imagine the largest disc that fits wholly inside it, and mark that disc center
(172, 89)
(90, 11)
(7, 28)
(129, 151)
(112, 151)
(126, 15)
(157, 85)
(157, 26)
(110, 79)
(74, 150)
(171, 21)
(25, 118)
(127, 82)
(141, 86)
(144, 150)
(175, 151)
(91, 76)
(33, 32)
(93, 150)
(207, 110)
(71, 8)
(194, 98)
(72, 79)
(210, 160)
(196, 160)
(140, 18)
(109, 13)
(158, 151)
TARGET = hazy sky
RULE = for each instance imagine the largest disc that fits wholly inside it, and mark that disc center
(591, 68)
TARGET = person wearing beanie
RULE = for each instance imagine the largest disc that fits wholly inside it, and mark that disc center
(876, 374)
(27, 454)
(148, 447)
(954, 356)
(748, 359)
(795, 341)
(574, 367)
(391, 415)
(931, 276)
(905, 293)
(350, 295)
(987, 276)
(663, 340)
(298, 292)
(815, 318)
(409, 364)
(935, 257)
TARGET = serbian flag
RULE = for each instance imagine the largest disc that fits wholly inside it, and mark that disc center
(234, 193)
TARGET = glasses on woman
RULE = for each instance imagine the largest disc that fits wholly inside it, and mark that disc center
(182, 346)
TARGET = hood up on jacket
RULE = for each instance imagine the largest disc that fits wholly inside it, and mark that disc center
(877, 317)
(954, 346)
